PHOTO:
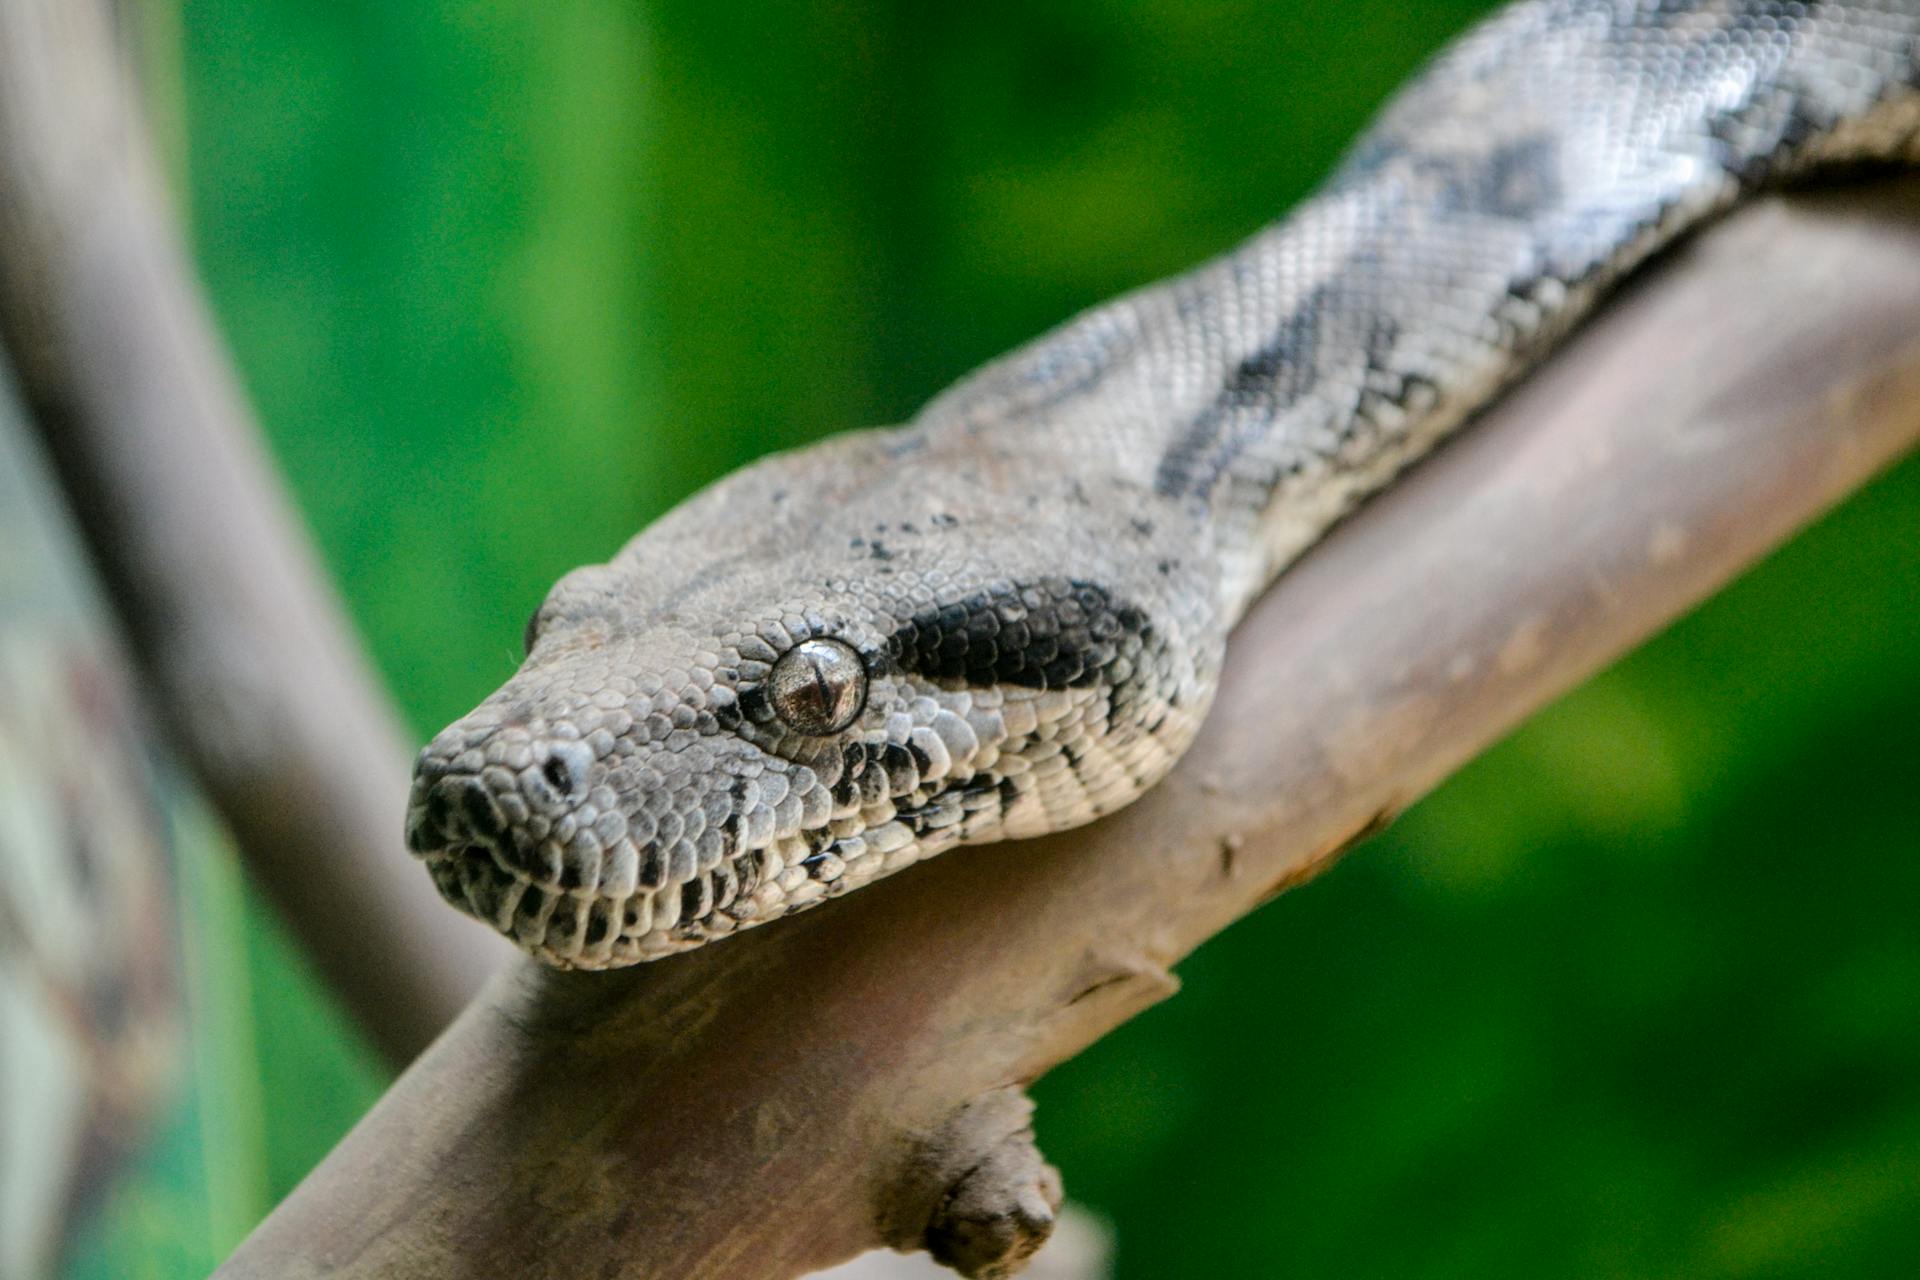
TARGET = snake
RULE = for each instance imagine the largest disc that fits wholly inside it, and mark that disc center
(1007, 617)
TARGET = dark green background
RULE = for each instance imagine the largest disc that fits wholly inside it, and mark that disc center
(1638, 994)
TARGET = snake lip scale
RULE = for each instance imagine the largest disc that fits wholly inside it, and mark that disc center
(1007, 616)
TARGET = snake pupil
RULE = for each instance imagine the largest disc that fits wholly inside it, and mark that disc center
(818, 687)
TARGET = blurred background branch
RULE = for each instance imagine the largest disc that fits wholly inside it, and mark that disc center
(776, 1103)
(248, 653)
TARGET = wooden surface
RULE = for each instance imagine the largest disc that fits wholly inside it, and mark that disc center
(786, 1098)
(246, 649)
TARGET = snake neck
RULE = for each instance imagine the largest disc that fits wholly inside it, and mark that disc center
(1495, 200)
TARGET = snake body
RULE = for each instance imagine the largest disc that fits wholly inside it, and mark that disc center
(1007, 617)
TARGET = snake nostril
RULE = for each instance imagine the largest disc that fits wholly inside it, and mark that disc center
(565, 768)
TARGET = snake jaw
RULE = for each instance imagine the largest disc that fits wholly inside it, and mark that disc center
(551, 907)
(594, 849)
(608, 879)
(636, 822)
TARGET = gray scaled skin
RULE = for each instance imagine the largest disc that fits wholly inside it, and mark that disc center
(1007, 617)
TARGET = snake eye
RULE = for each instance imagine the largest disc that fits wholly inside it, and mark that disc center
(818, 686)
(532, 632)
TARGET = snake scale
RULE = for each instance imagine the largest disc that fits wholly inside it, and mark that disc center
(1007, 616)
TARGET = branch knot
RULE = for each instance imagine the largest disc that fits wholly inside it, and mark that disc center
(978, 1195)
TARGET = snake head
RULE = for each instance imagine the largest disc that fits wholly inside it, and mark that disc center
(685, 755)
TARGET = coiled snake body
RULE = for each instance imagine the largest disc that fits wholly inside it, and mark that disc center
(1006, 617)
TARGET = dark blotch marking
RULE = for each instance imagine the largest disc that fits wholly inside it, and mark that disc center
(481, 815)
(898, 764)
(754, 704)
(695, 897)
(522, 852)
(853, 763)
(1053, 633)
(1329, 325)
(747, 869)
(653, 866)
(957, 802)
(724, 888)
(439, 809)
(1519, 181)
(1275, 374)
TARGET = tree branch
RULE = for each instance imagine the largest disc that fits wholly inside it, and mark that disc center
(246, 648)
(782, 1100)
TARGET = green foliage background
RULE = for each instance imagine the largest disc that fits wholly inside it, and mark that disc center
(1637, 994)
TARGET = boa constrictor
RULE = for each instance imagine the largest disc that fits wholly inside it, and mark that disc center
(1007, 616)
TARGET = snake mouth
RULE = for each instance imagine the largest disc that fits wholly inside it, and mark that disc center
(582, 927)
(560, 892)
(596, 851)
(571, 900)
(565, 927)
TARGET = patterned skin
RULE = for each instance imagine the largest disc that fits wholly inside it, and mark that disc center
(1006, 617)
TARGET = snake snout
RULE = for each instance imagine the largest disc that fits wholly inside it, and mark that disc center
(521, 832)
(451, 810)
(469, 799)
